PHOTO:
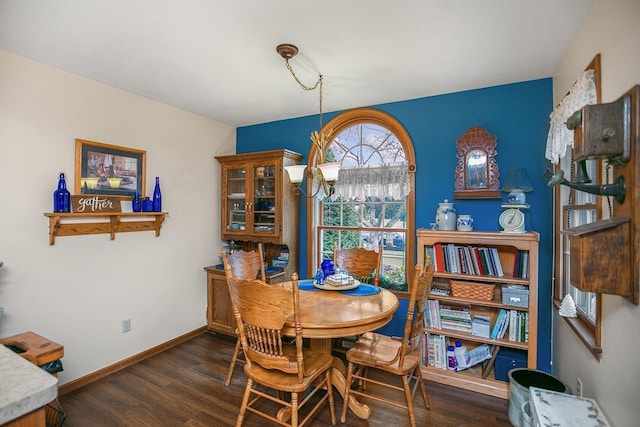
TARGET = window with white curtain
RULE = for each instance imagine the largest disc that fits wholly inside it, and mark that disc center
(372, 205)
(574, 208)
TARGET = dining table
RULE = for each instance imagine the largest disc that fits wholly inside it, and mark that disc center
(327, 314)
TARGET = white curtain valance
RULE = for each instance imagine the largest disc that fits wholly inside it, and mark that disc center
(389, 180)
(583, 92)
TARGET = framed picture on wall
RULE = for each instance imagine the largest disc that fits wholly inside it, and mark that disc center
(105, 169)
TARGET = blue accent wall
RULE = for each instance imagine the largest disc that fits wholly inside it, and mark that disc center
(517, 114)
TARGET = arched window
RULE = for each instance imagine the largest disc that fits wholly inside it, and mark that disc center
(367, 139)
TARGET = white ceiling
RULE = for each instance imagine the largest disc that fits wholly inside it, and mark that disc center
(217, 58)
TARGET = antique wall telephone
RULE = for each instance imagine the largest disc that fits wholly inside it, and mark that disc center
(607, 131)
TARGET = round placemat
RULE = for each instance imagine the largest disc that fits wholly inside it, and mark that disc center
(362, 291)
(307, 285)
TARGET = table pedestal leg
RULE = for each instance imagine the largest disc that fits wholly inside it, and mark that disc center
(339, 378)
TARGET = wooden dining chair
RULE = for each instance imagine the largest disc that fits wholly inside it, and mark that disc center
(261, 311)
(363, 264)
(242, 265)
(400, 357)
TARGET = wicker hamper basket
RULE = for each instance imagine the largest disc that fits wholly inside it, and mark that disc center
(471, 290)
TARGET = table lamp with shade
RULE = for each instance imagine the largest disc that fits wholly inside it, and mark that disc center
(517, 184)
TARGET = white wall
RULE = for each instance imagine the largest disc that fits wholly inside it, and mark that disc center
(78, 291)
(611, 29)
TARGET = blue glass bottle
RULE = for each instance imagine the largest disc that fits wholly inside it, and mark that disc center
(147, 205)
(136, 202)
(157, 197)
(320, 276)
(62, 196)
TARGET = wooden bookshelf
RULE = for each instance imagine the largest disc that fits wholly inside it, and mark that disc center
(480, 378)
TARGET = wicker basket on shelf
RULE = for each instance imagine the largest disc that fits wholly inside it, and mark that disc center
(471, 290)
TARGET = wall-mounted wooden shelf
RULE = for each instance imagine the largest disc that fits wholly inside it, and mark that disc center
(77, 224)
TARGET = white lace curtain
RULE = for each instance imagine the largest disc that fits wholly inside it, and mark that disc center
(390, 180)
(583, 92)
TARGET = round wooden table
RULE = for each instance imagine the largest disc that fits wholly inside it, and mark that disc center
(331, 314)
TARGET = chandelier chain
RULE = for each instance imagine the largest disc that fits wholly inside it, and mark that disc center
(317, 84)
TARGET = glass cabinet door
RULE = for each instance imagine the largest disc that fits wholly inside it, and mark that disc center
(264, 201)
(236, 206)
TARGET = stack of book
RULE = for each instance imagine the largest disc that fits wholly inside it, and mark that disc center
(479, 261)
(515, 322)
(455, 318)
(435, 351)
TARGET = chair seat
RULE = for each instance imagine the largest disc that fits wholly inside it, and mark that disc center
(315, 364)
(381, 351)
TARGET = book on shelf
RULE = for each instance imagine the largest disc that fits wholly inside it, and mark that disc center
(503, 325)
(436, 351)
(454, 263)
(525, 265)
(439, 258)
(517, 263)
(480, 326)
(521, 264)
(474, 261)
(495, 259)
(440, 289)
(500, 319)
(488, 268)
(513, 324)
(427, 350)
(476, 253)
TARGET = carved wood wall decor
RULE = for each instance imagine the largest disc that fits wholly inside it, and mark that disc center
(476, 174)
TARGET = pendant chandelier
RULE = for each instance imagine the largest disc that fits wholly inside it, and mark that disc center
(323, 173)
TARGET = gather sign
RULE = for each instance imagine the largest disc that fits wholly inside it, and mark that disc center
(88, 204)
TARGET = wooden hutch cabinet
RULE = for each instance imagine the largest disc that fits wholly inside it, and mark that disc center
(257, 206)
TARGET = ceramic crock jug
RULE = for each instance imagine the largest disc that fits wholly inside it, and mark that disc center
(465, 223)
(446, 216)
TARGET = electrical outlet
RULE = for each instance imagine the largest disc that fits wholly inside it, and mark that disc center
(579, 387)
(126, 326)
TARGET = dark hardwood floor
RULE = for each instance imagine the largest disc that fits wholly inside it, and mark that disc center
(184, 386)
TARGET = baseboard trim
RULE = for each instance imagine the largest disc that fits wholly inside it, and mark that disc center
(94, 376)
